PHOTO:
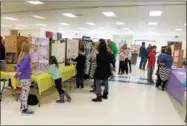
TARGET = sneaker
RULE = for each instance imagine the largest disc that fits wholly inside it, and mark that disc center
(27, 112)
(60, 101)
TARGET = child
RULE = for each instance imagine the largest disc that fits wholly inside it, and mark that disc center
(121, 61)
(129, 55)
(151, 64)
(55, 73)
(80, 67)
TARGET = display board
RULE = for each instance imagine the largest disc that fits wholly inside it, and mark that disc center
(72, 49)
(58, 50)
(40, 53)
(147, 42)
(119, 39)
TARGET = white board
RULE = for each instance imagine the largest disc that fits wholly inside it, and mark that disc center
(58, 50)
(72, 48)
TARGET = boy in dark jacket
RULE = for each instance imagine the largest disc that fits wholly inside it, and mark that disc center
(143, 56)
(80, 67)
(151, 64)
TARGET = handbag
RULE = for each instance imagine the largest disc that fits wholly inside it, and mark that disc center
(33, 100)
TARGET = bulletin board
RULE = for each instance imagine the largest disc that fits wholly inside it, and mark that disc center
(40, 53)
(58, 50)
(72, 49)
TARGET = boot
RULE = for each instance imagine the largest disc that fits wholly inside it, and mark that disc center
(67, 96)
(93, 90)
(105, 95)
(97, 99)
(61, 100)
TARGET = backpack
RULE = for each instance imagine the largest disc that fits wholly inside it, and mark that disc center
(32, 100)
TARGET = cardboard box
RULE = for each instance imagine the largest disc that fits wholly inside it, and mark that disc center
(10, 67)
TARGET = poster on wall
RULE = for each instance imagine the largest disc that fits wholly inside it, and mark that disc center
(49, 34)
(86, 39)
(58, 50)
(40, 53)
(72, 49)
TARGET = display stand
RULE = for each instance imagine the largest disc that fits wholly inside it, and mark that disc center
(40, 53)
(58, 50)
(13, 47)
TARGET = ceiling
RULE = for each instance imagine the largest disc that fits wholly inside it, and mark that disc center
(135, 16)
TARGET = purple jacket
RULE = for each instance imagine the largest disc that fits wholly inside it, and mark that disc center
(25, 67)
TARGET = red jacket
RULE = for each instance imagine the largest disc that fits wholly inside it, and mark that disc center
(151, 59)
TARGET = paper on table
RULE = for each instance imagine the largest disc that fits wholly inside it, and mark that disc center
(43, 61)
(176, 53)
(175, 59)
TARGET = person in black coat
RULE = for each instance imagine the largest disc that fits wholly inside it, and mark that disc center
(2, 49)
(103, 71)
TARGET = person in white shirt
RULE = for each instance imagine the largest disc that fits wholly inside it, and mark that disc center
(129, 55)
(122, 58)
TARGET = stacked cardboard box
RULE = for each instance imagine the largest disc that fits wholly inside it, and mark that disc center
(13, 47)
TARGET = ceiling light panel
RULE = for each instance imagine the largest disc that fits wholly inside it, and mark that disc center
(152, 23)
(70, 15)
(109, 14)
(41, 24)
(35, 2)
(39, 17)
(65, 24)
(10, 18)
(155, 13)
(125, 28)
(151, 29)
(178, 29)
(119, 23)
(21, 25)
(185, 24)
(90, 23)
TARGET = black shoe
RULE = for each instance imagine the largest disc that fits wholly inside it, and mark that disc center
(163, 88)
(97, 99)
(93, 90)
(105, 96)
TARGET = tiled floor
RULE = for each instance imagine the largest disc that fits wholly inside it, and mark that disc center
(128, 103)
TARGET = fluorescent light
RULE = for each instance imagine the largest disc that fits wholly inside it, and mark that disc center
(178, 29)
(81, 28)
(101, 28)
(40, 17)
(119, 23)
(151, 29)
(125, 28)
(109, 14)
(41, 24)
(69, 15)
(152, 23)
(185, 24)
(155, 13)
(130, 32)
(21, 25)
(64, 24)
(35, 2)
(19, 28)
(90, 23)
(10, 18)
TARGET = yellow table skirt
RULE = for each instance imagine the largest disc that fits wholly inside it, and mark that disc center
(43, 80)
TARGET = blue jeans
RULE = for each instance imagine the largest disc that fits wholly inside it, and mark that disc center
(80, 78)
(98, 86)
(143, 62)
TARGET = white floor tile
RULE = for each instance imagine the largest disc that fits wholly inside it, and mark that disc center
(128, 103)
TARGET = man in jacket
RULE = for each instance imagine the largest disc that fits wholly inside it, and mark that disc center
(114, 50)
(143, 56)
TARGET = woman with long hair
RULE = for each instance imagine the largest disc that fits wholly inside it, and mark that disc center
(103, 71)
(23, 73)
(165, 64)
